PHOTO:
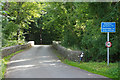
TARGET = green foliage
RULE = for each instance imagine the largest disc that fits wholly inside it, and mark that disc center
(9, 29)
(46, 27)
(16, 18)
(7, 43)
(101, 68)
(93, 41)
(83, 29)
(77, 25)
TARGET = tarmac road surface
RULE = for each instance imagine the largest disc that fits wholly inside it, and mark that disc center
(40, 61)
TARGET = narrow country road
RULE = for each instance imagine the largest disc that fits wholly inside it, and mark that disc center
(41, 62)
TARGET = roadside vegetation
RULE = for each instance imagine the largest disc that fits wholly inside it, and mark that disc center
(100, 68)
(5, 60)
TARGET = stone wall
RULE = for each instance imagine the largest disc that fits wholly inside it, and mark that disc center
(12, 49)
(66, 53)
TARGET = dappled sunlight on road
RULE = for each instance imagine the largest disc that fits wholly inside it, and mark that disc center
(35, 58)
(41, 62)
(30, 64)
(22, 66)
(18, 61)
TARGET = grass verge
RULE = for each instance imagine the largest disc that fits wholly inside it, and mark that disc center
(5, 60)
(101, 68)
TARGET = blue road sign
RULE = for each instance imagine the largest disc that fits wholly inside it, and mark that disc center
(108, 27)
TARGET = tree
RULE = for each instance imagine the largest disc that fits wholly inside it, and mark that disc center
(20, 14)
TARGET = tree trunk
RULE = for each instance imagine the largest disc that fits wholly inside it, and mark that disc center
(41, 35)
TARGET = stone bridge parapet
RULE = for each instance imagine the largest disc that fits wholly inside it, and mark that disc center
(66, 53)
(12, 49)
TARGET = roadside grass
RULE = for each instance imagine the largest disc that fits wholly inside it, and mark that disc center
(100, 68)
(5, 60)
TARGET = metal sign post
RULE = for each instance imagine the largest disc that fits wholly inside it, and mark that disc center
(107, 49)
(108, 27)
